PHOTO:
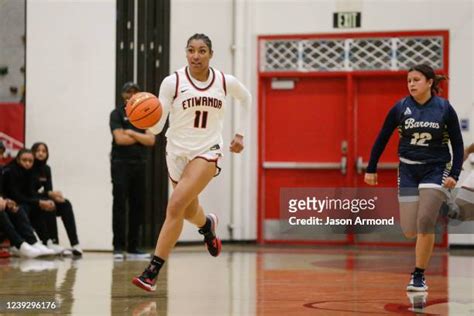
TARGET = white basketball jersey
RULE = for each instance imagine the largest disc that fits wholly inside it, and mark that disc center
(197, 113)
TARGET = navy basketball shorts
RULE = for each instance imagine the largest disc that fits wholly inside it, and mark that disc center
(411, 178)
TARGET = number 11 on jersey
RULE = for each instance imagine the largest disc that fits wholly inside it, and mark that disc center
(200, 120)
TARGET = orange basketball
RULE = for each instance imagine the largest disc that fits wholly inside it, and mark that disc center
(143, 110)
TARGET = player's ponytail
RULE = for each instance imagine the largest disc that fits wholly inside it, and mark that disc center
(429, 73)
(435, 88)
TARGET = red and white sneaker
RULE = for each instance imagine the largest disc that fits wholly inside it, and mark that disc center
(145, 281)
(213, 243)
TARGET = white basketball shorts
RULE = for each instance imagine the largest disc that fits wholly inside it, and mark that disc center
(178, 162)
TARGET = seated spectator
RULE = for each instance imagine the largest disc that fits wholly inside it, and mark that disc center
(43, 185)
(15, 224)
(18, 186)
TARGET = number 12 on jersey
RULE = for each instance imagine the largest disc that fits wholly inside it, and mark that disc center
(420, 139)
(200, 119)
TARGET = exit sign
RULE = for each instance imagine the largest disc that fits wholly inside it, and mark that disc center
(346, 20)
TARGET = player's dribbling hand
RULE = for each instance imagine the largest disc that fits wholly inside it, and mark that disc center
(449, 183)
(237, 144)
(370, 178)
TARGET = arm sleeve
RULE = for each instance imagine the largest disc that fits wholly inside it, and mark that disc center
(391, 122)
(237, 90)
(455, 137)
(48, 187)
(166, 97)
(115, 122)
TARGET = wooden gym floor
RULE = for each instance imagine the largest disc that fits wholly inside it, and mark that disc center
(244, 280)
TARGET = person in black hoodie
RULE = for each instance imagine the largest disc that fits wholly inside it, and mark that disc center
(43, 186)
(17, 228)
(13, 218)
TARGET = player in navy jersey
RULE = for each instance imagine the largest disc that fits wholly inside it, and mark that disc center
(426, 124)
(194, 99)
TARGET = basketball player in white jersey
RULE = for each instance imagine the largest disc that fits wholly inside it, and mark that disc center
(194, 98)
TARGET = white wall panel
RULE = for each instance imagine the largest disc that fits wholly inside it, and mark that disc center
(70, 83)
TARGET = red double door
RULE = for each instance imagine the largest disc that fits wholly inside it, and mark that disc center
(318, 132)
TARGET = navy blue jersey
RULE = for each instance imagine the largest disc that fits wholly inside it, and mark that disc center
(425, 132)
